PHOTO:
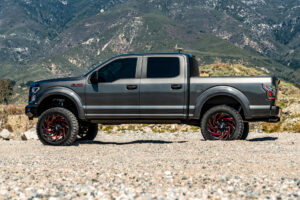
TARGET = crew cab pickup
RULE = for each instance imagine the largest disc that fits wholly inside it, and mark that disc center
(150, 88)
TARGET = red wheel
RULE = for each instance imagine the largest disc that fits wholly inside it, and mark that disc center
(221, 125)
(87, 131)
(54, 128)
(246, 131)
(57, 126)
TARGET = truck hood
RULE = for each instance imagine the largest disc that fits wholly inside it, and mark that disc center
(67, 79)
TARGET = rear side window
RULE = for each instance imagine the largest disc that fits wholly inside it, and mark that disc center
(118, 69)
(163, 67)
(194, 68)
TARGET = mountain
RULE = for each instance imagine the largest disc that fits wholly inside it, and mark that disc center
(42, 38)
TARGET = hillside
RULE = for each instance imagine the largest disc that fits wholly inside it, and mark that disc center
(43, 39)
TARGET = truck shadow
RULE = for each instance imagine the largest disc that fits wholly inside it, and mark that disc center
(79, 142)
(128, 143)
(263, 139)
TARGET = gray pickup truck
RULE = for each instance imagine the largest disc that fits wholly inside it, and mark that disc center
(150, 88)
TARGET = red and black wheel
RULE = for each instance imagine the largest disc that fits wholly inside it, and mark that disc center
(87, 131)
(222, 123)
(57, 126)
(246, 131)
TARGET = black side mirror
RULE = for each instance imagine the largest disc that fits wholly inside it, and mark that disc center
(94, 78)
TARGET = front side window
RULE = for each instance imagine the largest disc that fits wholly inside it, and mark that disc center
(119, 69)
(163, 67)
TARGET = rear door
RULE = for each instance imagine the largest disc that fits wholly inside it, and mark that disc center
(163, 87)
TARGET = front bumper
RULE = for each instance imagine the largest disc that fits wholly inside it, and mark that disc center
(31, 111)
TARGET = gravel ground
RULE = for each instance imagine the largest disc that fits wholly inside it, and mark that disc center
(153, 166)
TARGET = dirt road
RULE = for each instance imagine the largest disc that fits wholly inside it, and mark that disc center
(152, 166)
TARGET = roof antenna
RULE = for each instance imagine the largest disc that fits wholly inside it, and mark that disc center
(178, 49)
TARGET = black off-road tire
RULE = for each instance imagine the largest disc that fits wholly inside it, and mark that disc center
(246, 131)
(214, 116)
(88, 131)
(63, 118)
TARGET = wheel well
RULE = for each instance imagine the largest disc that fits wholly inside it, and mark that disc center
(222, 100)
(57, 101)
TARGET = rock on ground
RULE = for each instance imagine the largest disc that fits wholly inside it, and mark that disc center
(153, 166)
(5, 134)
(30, 135)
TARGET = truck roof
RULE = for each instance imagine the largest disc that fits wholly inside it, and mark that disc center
(138, 54)
(163, 53)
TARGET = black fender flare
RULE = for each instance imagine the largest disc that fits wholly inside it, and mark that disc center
(221, 91)
(68, 93)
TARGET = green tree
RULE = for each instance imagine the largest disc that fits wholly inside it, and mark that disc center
(6, 91)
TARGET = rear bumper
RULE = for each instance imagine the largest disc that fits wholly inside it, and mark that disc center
(275, 114)
(31, 111)
(270, 114)
(275, 111)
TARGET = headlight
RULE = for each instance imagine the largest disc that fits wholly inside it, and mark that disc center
(34, 90)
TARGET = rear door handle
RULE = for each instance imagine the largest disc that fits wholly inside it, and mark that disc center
(176, 86)
(131, 87)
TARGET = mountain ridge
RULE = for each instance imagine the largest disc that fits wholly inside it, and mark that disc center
(63, 38)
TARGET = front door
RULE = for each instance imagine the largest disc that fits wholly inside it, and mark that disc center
(163, 87)
(116, 96)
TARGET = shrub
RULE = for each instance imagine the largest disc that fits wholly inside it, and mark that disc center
(271, 127)
(14, 110)
(296, 128)
(6, 91)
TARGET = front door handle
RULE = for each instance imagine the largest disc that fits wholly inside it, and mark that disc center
(176, 86)
(131, 87)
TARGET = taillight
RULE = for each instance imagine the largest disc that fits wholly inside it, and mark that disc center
(271, 91)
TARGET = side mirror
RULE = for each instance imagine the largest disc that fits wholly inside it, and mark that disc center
(94, 78)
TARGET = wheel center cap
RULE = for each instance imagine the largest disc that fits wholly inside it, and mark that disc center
(57, 127)
(222, 125)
